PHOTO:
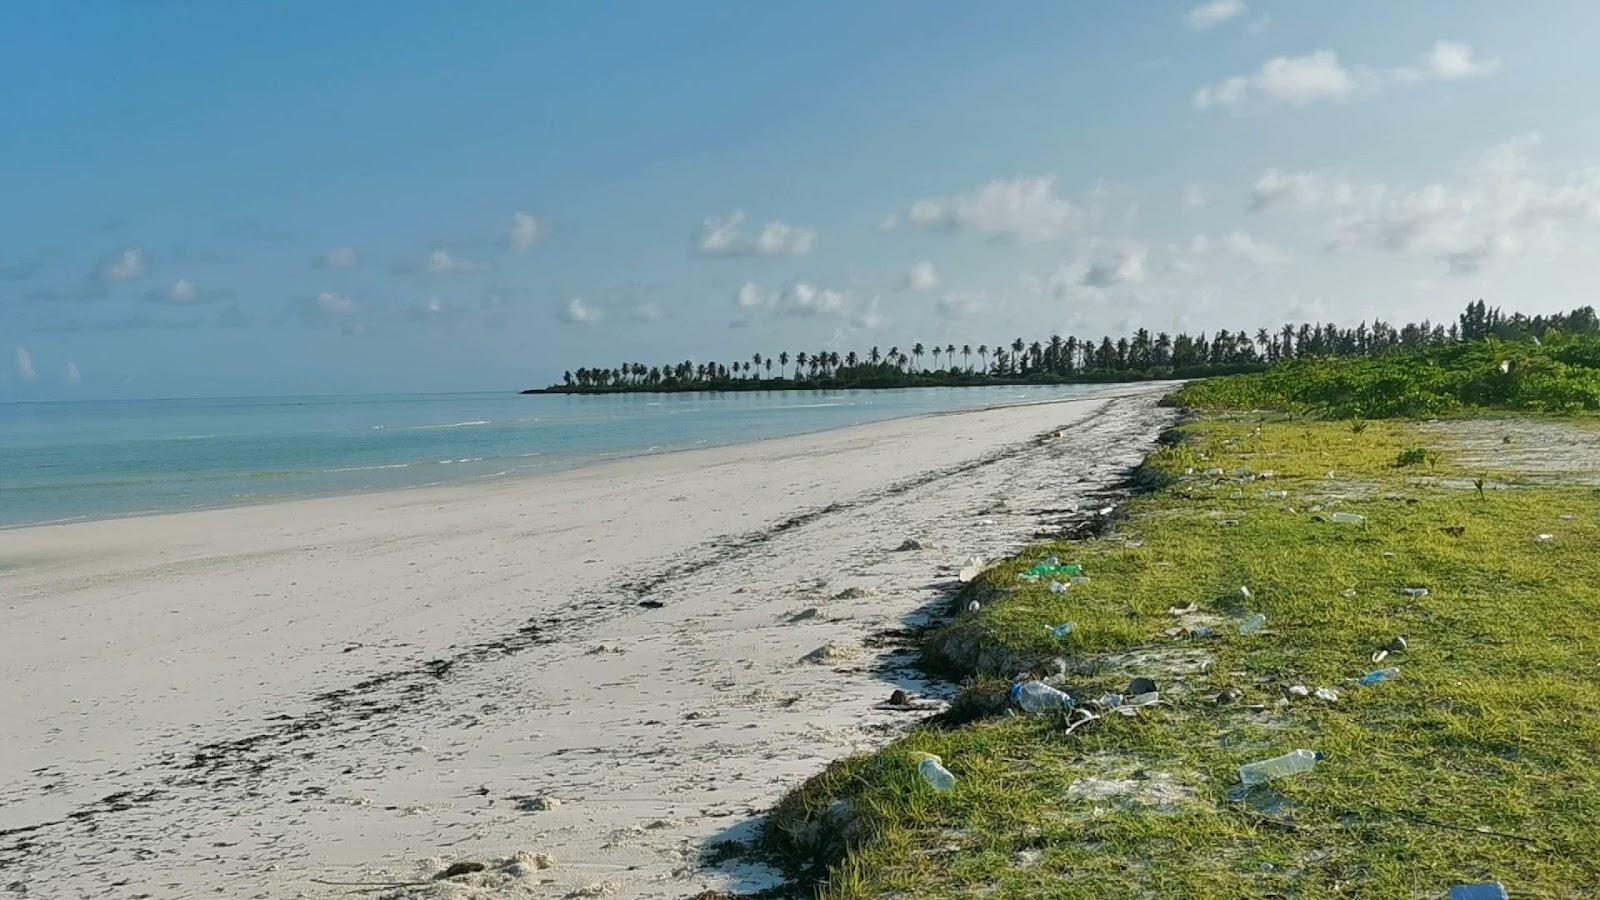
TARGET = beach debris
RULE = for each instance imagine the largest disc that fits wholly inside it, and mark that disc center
(1229, 694)
(1348, 593)
(1487, 890)
(1183, 610)
(1057, 587)
(1380, 676)
(1052, 566)
(854, 593)
(1347, 518)
(1326, 695)
(899, 698)
(1253, 624)
(1057, 666)
(466, 867)
(1060, 631)
(1398, 645)
(537, 804)
(1274, 495)
(810, 612)
(932, 770)
(596, 889)
(1244, 591)
(1037, 697)
(836, 652)
(1299, 691)
(910, 544)
(1141, 685)
(1289, 764)
(974, 606)
(1545, 537)
(1414, 591)
(970, 569)
(1380, 656)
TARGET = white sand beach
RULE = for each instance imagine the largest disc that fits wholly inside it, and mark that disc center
(253, 702)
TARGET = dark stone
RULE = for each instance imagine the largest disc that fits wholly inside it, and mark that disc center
(1139, 686)
(461, 868)
(1230, 694)
(651, 604)
(899, 698)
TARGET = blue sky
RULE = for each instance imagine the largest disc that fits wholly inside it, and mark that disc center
(225, 198)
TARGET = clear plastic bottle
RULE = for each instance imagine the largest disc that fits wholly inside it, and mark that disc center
(1296, 763)
(1038, 697)
(1380, 676)
(1253, 624)
(1062, 630)
(1344, 518)
(932, 770)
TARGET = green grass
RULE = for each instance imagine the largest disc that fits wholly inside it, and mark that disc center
(1562, 376)
(1493, 724)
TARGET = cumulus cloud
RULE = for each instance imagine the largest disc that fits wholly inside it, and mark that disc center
(725, 236)
(799, 300)
(962, 305)
(443, 262)
(922, 277)
(336, 258)
(1497, 205)
(1194, 197)
(1320, 77)
(73, 376)
(647, 312)
(1125, 266)
(1020, 209)
(1300, 190)
(25, 369)
(1251, 249)
(870, 317)
(184, 292)
(1210, 15)
(525, 231)
(577, 312)
(124, 265)
(330, 305)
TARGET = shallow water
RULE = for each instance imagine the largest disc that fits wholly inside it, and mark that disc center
(69, 461)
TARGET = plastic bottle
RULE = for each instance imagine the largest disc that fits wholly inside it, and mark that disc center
(1038, 697)
(1296, 763)
(1062, 630)
(1380, 676)
(1344, 518)
(932, 770)
(1253, 624)
(1057, 587)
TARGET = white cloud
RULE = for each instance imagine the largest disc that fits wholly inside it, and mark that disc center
(922, 277)
(1287, 80)
(869, 318)
(647, 312)
(578, 312)
(1022, 209)
(1125, 266)
(1300, 190)
(73, 375)
(336, 306)
(337, 258)
(25, 369)
(800, 300)
(1251, 249)
(123, 266)
(1496, 206)
(1210, 15)
(962, 305)
(182, 291)
(526, 230)
(889, 222)
(725, 236)
(1194, 196)
(443, 262)
(1320, 77)
(1448, 61)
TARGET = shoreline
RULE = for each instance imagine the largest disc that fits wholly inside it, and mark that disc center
(603, 459)
(347, 688)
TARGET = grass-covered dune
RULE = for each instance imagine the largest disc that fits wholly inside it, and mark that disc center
(1479, 762)
(1561, 375)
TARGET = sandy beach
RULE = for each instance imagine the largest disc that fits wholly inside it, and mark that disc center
(606, 665)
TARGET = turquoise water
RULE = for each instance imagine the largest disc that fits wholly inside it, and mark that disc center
(67, 461)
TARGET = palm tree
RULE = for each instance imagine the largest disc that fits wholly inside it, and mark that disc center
(783, 364)
(850, 359)
(799, 363)
(873, 356)
(936, 351)
(983, 354)
(950, 355)
(916, 353)
(966, 356)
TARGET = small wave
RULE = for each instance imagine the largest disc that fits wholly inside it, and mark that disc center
(452, 425)
(369, 468)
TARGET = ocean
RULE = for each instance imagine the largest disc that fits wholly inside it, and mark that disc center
(62, 462)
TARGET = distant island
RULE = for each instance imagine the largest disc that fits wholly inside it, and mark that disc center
(1142, 356)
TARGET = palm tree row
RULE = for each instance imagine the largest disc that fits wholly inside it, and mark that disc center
(1141, 355)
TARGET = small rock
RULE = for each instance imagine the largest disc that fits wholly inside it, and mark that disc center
(838, 651)
(1299, 690)
(899, 698)
(1229, 694)
(853, 593)
(1140, 685)
(651, 604)
(537, 804)
(460, 868)
(910, 544)
(805, 614)
(1326, 695)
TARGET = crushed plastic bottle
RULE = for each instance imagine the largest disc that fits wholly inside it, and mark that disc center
(1380, 676)
(1414, 592)
(1037, 697)
(1488, 890)
(970, 568)
(932, 770)
(1326, 695)
(1296, 763)
(1052, 567)
(1253, 624)
(1344, 518)
(1275, 495)
(1062, 630)
(1057, 587)
(1079, 579)
(1244, 592)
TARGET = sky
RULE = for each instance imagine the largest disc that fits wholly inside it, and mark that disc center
(229, 199)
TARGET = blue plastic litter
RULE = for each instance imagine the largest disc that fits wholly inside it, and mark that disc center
(1489, 890)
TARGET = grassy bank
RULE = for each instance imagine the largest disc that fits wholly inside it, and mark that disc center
(1481, 761)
